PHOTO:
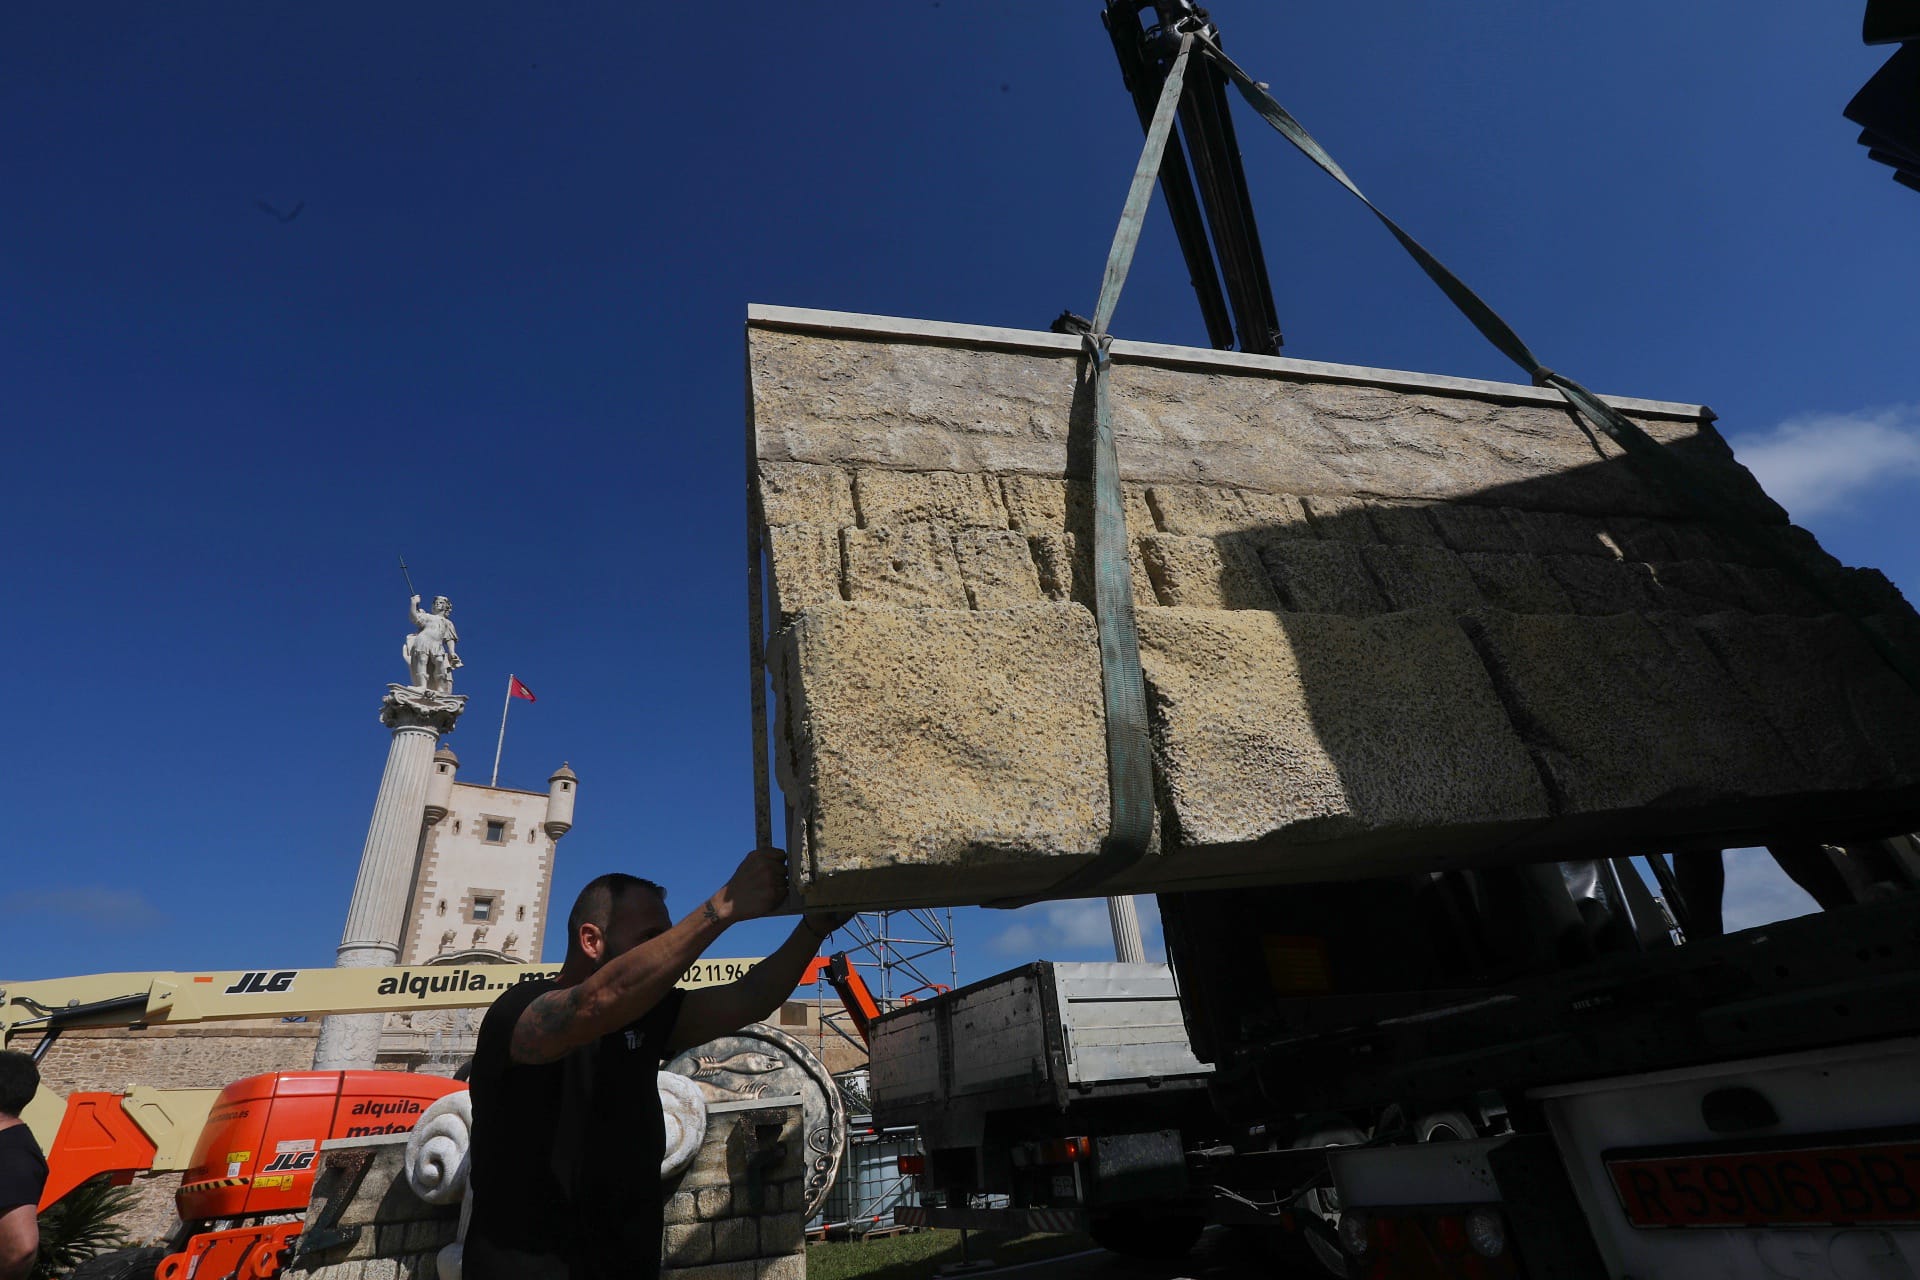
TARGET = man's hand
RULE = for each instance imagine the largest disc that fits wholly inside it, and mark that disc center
(758, 888)
(414, 599)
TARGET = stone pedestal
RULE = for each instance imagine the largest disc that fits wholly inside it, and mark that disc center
(377, 914)
(739, 1211)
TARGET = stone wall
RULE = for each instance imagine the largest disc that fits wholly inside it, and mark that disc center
(1387, 622)
(739, 1210)
(208, 1057)
(364, 1221)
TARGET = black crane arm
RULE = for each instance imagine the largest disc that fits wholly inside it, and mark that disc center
(1229, 275)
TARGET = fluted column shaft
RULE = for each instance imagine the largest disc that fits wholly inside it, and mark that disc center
(1128, 947)
(377, 913)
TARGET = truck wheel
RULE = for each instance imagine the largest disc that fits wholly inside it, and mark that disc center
(1153, 1239)
(121, 1264)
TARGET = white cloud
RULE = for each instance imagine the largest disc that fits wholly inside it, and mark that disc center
(1819, 461)
(1071, 930)
(90, 906)
(1759, 892)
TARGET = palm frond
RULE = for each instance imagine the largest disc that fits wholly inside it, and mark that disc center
(81, 1224)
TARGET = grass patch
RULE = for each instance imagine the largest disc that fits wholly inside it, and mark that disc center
(917, 1255)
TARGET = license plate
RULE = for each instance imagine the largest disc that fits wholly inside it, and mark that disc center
(1836, 1180)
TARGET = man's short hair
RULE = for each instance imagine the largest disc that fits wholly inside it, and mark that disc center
(19, 1081)
(596, 902)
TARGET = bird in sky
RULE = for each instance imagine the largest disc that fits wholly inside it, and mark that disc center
(278, 216)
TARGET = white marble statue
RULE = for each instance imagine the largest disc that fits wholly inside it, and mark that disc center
(438, 1164)
(429, 651)
(683, 1109)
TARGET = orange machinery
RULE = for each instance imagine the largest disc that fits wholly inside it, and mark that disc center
(255, 1158)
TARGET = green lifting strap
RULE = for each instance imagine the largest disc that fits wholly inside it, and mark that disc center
(1123, 688)
(1703, 492)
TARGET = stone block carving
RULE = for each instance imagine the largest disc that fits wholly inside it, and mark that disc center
(1388, 621)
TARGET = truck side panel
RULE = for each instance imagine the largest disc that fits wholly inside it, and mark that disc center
(904, 1057)
(1122, 1022)
(1000, 1037)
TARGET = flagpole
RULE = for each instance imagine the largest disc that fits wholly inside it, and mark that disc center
(505, 704)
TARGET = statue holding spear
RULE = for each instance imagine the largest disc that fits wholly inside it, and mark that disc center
(429, 651)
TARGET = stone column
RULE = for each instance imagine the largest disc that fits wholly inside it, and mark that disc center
(378, 911)
(1128, 948)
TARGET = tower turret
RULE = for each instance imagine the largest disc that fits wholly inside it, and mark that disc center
(560, 792)
(440, 784)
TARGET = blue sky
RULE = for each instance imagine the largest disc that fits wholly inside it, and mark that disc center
(503, 337)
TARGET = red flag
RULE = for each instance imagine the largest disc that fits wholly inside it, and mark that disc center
(517, 690)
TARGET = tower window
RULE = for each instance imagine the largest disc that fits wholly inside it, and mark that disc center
(483, 908)
(496, 831)
(520, 912)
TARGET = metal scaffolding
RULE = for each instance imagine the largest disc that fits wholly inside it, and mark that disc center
(902, 956)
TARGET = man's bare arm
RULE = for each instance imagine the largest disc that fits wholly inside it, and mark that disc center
(627, 986)
(19, 1242)
(714, 1011)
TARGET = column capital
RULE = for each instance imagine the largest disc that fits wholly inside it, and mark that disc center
(409, 707)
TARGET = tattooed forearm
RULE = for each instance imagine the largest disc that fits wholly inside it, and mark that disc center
(541, 1034)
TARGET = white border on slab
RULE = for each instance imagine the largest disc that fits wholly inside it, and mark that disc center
(852, 324)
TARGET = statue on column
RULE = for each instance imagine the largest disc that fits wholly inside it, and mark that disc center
(431, 660)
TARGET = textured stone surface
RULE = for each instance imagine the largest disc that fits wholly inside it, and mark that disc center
(1846, 715)
(1388, 622)
(806, 565)
(911, 564)
(924, 738)
(1298, 728)
(1469, 528)
(1193, 510)
(1197, 572)
(1422, 578)
(907, 497)
(1340, 518)
(1038, 504)
(996, 567)
(1622, 713)
(1065, 566)
(1518, 584)
(802, 493)
(1322, 577)
(919, 406)
(1405, 524)
(1597, 585)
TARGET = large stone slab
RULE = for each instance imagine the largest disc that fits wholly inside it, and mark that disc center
(925, 748)
(1389, 621)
